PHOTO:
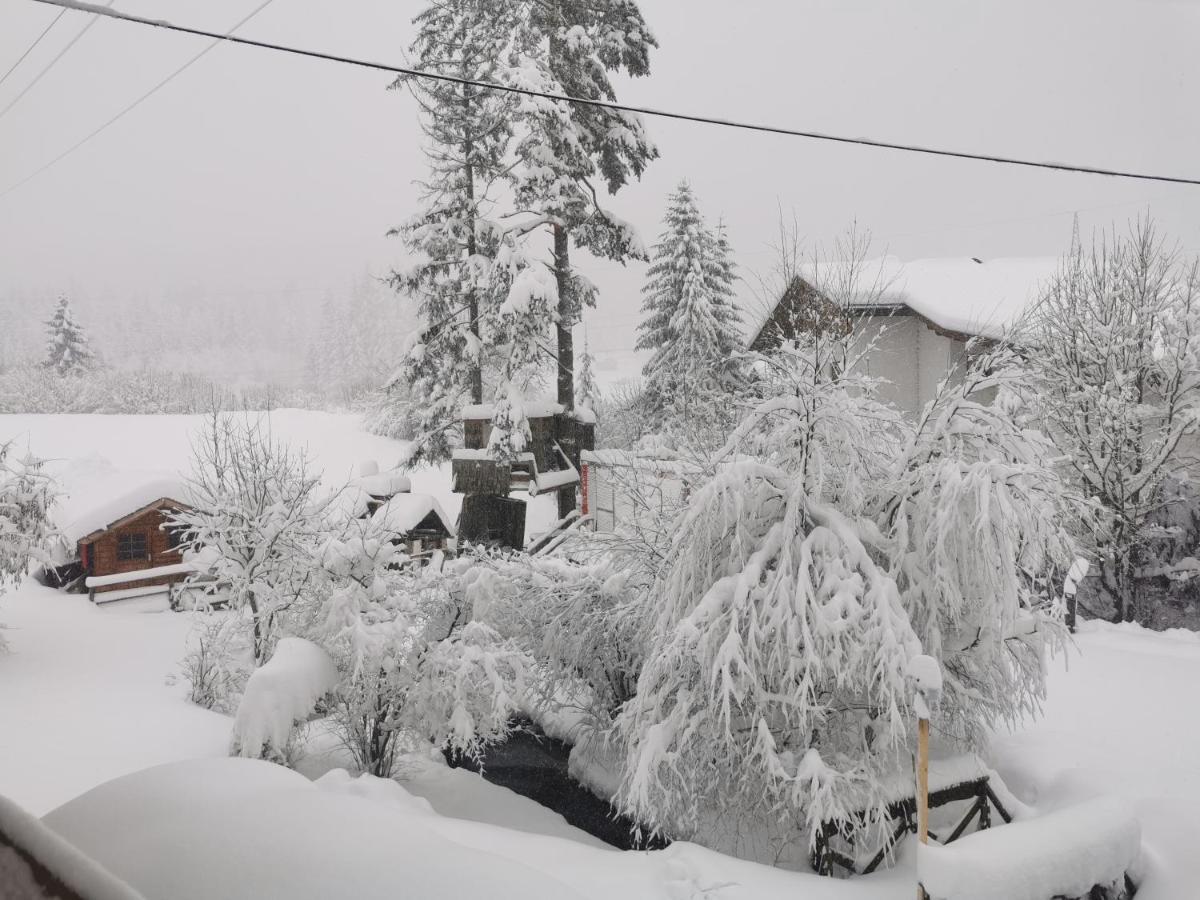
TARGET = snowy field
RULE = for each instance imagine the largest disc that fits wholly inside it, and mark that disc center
(90, 694)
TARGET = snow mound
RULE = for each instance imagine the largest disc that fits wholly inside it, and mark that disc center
(1063, 853)
(281, 693)
(243, 829)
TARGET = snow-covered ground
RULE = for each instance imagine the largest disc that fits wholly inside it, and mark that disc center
(89, 694)
(1122, 719)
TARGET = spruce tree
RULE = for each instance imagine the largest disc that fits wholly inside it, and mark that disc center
(566, 149)
(453, 237)
(690, 322)
(586, 389)
(67, 349)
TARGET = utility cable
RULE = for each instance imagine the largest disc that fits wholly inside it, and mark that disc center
(642, 110)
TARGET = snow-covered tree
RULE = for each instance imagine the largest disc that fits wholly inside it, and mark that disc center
(452, 238)
(689, 320)
(979, 523)
(832, 545)
(1116, 341)
(587, 392)
(67, 348)
(27, 494)
(564, 149)
(255, 519)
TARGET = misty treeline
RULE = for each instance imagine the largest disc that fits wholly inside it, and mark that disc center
(173, 352)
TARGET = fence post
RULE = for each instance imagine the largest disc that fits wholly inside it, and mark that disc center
(922, 796)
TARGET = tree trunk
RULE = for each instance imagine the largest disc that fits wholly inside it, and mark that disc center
(566, 344)
(472, 297)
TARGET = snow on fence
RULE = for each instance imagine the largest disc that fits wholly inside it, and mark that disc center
(281, 693)
(183, 568)
(1061, 854)
(37, 863)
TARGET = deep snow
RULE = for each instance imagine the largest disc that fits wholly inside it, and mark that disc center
(86, 695)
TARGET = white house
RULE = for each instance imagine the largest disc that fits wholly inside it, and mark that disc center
(921, 313)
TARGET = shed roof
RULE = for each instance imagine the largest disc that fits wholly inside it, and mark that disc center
(404, 512)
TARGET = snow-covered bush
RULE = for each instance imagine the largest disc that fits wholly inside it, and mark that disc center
(214, 666)
(582, 623)
(27, 494)
(413, 666)
(282, 693)
(256, 515)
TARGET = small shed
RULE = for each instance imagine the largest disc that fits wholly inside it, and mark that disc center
(137, 553)
(418, 522)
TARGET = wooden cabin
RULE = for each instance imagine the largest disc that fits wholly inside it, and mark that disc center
(140, 541)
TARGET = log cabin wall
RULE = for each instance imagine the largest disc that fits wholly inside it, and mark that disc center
(105, 557)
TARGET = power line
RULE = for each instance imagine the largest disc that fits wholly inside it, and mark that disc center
(99, 11)
(146, 96)
(37, 40)
(642, 110)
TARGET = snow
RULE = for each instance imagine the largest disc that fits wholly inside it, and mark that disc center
(183, 568)
(280, 693)
(1063, 853)
(149, 590)
(1121, 720)
(534, 409)
(404, 512)
(83, 522)
(86, 697)
(72, 867)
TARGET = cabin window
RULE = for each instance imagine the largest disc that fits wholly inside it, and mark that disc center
(131, 545)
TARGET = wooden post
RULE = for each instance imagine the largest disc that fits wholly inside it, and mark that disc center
(922, 796)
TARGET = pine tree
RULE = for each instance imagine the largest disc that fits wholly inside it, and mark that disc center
(453, 236)
(690, 322)
(67, 349)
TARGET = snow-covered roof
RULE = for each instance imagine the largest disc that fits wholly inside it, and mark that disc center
(966, 295)
(99, 517)
(404, 512)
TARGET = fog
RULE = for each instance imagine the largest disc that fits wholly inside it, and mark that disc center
(258, 179)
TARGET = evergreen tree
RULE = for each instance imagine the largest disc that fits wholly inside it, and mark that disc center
(586, 390)
(690, 322)
(453, 237)
(67, 350)
(571, 47)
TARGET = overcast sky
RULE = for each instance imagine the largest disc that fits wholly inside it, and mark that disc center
(254, 172)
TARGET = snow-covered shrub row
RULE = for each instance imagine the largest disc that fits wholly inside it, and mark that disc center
(38, 389)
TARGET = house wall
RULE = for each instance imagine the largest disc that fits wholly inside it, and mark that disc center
(910, 356)
(102, 555)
